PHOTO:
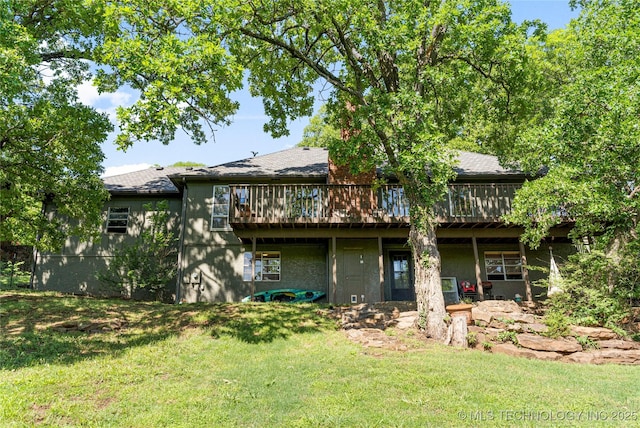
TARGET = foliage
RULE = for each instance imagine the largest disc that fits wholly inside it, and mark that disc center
(586, 298)
(49, 142)
(149, 262)
(508, 336)
(557, 323)
(587, 343)
(318, 133)
(411, 80)
(586, 135)
(12, 274)
(187, 164)
(472, 339)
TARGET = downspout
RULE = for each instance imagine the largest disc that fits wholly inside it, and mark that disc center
(183, 221)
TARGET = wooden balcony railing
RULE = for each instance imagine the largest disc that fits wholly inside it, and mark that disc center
(336, 204)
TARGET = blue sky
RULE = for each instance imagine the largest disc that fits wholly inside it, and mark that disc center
(245, 134)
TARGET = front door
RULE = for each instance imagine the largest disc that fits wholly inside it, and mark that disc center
(354, 280)
(401, 277)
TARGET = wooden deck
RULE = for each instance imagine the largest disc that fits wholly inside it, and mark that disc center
(312, 205)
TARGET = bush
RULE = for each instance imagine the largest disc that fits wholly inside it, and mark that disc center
(589, 298)
(150, 262)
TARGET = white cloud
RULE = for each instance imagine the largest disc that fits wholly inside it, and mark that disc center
(123, 169)
(106, 102)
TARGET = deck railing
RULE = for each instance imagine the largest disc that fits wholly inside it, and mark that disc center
(317, 203)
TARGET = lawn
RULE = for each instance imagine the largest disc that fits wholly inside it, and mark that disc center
(271, 365)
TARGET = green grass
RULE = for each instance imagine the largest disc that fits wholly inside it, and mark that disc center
(268, 365)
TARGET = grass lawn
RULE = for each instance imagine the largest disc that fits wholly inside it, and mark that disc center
(268, 365)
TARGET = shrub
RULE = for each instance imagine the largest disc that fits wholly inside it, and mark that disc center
(150, 261)
(472, 339)
(508, 336)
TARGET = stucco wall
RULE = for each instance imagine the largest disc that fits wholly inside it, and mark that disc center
(458, 261)
(215, 273)
(74, 268)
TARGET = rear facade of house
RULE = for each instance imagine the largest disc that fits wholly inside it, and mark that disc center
(293, 219)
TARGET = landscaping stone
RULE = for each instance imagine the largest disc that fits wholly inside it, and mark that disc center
(537, 328)
(596, 333)
(541, 343)
(513, 350)
(478, 314)
(502, 306)
(618, 344)
(607, 356)
(406, 320)
(365, 324)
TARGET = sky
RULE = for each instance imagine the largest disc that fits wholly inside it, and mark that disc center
(245, 134)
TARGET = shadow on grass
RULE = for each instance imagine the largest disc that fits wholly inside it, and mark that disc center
(265, 322)
(34, 326)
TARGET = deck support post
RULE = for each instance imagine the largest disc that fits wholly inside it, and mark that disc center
(334, 270)
(381, 268)
(253, 267)
(479, 288)
(525, 273)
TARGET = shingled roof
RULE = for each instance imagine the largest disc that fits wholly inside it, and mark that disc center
(303, 162)
(150, 180)
(294, 162)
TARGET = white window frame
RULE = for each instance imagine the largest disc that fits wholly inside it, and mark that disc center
(506, 264)
(115, 217)
(268, 266)
(220, 208)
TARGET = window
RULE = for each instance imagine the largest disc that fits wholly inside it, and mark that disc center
(267, 266)
(393, 201)
(503, 265)
(220, 209)
(117, 219)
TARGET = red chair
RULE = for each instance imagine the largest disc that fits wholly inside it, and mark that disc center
(467, 287)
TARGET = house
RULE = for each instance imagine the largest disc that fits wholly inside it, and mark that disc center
(293, 219)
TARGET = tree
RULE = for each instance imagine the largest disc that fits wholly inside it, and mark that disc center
(588, 140)
(187, 164)
(318, 133)
(409, 79)
(49, 142)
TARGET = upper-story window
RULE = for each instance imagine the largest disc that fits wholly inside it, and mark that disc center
(503, 265)
(117, 219)
(393, 202)
(220, 208)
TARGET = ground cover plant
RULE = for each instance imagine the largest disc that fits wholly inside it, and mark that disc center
(77, 361)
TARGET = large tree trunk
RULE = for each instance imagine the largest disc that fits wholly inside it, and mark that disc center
(426, 257)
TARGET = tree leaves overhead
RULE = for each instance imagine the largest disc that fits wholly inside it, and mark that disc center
(49, 142)
(589, 138)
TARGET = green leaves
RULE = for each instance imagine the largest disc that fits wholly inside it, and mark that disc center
(587, 134)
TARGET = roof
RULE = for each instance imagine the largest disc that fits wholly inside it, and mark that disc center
(293, 162)
(302, 162)
(151, 181)
(476, 164)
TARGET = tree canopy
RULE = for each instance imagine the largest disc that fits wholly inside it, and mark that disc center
(49, 142)
(408, 78)
(587, 135)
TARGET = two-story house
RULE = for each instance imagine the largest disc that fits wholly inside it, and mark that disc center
(293, 219)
